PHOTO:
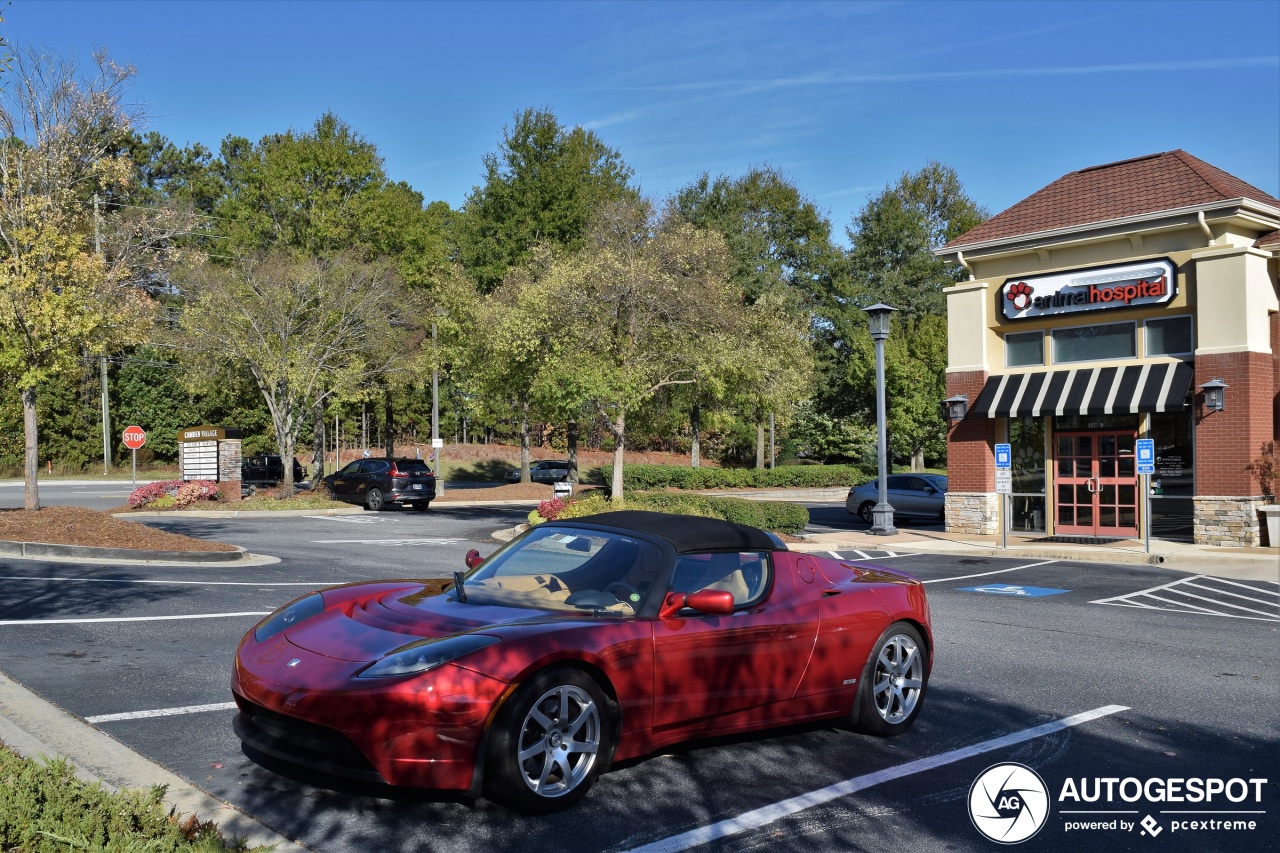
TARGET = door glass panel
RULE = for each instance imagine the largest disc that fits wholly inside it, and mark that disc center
(1106, 445)
(1128, 495)
(1106, 516)
(1066, 515)
(1084, 515)
(1106, 466)
(1084, 467)
(1126, 444)
(1064, 446)
(1064, 466)
(1083, 495)
(1084, 445)
(1107, 494)
(1128, 516)
(1126, 466)
(1064, 495)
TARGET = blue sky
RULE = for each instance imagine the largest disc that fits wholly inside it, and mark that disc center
(843, 97)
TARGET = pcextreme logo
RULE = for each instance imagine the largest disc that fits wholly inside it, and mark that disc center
(1009, 803)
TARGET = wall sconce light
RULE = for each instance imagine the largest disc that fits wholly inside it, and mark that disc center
(955, 408)
(1215, 398)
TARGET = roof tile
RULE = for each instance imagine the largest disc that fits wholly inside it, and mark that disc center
(1118, 190)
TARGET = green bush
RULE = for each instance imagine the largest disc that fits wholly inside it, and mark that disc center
(645, 477)
(45, 808)
(778, 516)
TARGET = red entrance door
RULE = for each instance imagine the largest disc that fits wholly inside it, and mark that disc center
(1097, 484)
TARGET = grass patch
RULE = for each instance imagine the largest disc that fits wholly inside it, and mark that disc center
(46, 808)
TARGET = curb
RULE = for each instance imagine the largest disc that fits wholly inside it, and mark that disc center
(33, 727)
(89, 552)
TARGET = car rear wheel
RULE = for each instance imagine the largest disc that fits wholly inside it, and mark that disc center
(373, 500)
(550, 743)
(893, 682)
(864, 511)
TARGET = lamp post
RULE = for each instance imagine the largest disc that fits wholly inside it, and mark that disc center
(437, 448)
(882, 514)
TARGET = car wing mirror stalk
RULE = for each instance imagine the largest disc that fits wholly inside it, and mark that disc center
(717, 602)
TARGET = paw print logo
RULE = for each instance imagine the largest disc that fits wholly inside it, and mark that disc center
(1019, 295)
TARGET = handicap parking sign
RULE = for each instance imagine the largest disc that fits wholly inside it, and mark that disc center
(1004, 456)
(1146, 453)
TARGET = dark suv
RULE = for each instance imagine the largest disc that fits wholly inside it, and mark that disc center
(266, 470)
(375, 483)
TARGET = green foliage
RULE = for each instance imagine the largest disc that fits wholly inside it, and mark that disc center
(768, 515)
(543, 185)
(822, 437)
(646, 476)
(45, 808)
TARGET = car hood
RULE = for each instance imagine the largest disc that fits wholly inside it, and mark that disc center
(368, 629)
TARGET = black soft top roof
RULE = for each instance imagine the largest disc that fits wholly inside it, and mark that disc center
(685, 532)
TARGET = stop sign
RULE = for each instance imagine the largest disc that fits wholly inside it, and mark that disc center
(134, 437)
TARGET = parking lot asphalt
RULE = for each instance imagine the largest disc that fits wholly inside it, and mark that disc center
(33, 726)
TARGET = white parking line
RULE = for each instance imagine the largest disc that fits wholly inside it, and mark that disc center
(996, 572)
(132, 618)
(777, 811)
(386, 542)
(346, 519)
(260, 584)
(160, 712)
(1268, 598)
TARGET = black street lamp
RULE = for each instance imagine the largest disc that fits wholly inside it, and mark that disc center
(882, 514)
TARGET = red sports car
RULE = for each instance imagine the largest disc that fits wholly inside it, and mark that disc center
(577, 644)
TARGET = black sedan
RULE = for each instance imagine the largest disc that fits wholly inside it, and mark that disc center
(380, 482)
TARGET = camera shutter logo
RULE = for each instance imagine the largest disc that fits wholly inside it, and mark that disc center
(1008, 803)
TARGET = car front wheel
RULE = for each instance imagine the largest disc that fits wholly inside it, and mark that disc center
(373, 501)
(864, 511)
(550, 743)
(893, 682)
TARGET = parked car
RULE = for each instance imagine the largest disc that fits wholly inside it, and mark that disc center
(517, 679)
(381, 481)
(911, 496)
(267, 470)
(543, 471)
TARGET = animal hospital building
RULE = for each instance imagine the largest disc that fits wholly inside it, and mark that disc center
(1133, 300)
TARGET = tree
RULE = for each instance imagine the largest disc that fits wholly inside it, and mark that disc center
(60, 300)
(543, 185)
(304, 328)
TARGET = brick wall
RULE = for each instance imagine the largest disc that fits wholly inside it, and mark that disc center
(1229, 440)
(970, 441)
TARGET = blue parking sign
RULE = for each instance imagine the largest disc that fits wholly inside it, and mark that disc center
(1004, 456)
(1146, 453)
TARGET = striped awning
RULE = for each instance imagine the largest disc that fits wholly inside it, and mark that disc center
(1153, 387)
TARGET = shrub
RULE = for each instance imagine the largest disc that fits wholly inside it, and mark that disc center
(590, 505)
(645, 477)
(550, 510)
(195, 490)
(165, 494)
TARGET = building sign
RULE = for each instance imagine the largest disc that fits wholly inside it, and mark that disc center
(208, 433)
(1094, 289)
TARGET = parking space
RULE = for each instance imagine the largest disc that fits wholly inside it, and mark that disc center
(1058, 683)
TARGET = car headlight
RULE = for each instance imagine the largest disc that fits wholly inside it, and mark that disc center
(287, 617)
(426, 655)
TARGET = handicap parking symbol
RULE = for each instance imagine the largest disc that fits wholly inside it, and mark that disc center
(1012, 590)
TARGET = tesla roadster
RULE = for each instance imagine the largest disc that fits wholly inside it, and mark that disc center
(575, 645)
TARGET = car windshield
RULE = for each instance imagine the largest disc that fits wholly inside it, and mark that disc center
(562, 568)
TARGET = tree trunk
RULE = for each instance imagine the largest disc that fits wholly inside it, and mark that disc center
(917, 460)
(318, 442)
(31, 458)
(571, 434)
(388, 417)
(759, 446)
(619, 430)
(524, 444)
(695, 426)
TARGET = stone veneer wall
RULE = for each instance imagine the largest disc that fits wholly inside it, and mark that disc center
(1228, 521)
(973, 512)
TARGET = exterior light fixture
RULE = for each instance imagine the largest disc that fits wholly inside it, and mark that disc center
(1215, 397)
(882, 514)
(955, 408)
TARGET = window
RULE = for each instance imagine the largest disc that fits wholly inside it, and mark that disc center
(745, 574)
(1024, 348)
(1169, 336)
(1094, 343)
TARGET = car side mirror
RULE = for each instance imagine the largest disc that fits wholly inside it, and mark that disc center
(717, 602)
(473, 558)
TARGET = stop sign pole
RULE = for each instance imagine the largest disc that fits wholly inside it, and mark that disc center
(134, 437)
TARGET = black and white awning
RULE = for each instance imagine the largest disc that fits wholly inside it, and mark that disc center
(1129, 389)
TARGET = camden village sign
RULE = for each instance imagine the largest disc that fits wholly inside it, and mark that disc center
(1127, 286)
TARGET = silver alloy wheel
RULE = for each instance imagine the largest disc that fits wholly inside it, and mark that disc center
(559, 741)
(374, 499)
(898, 679)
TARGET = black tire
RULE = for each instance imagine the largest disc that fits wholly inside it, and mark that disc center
(422, 506)
(327, 491)
(553, 776)
(864, 511)
(894, 681)
(373, 500)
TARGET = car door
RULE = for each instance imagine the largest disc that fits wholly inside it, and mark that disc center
(918, 497)
(346, 481)
(711, 667)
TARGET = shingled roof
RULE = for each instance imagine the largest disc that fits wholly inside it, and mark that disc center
(1127, 188)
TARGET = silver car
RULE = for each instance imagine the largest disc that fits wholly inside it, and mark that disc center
(543, 471)
(910, 495)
